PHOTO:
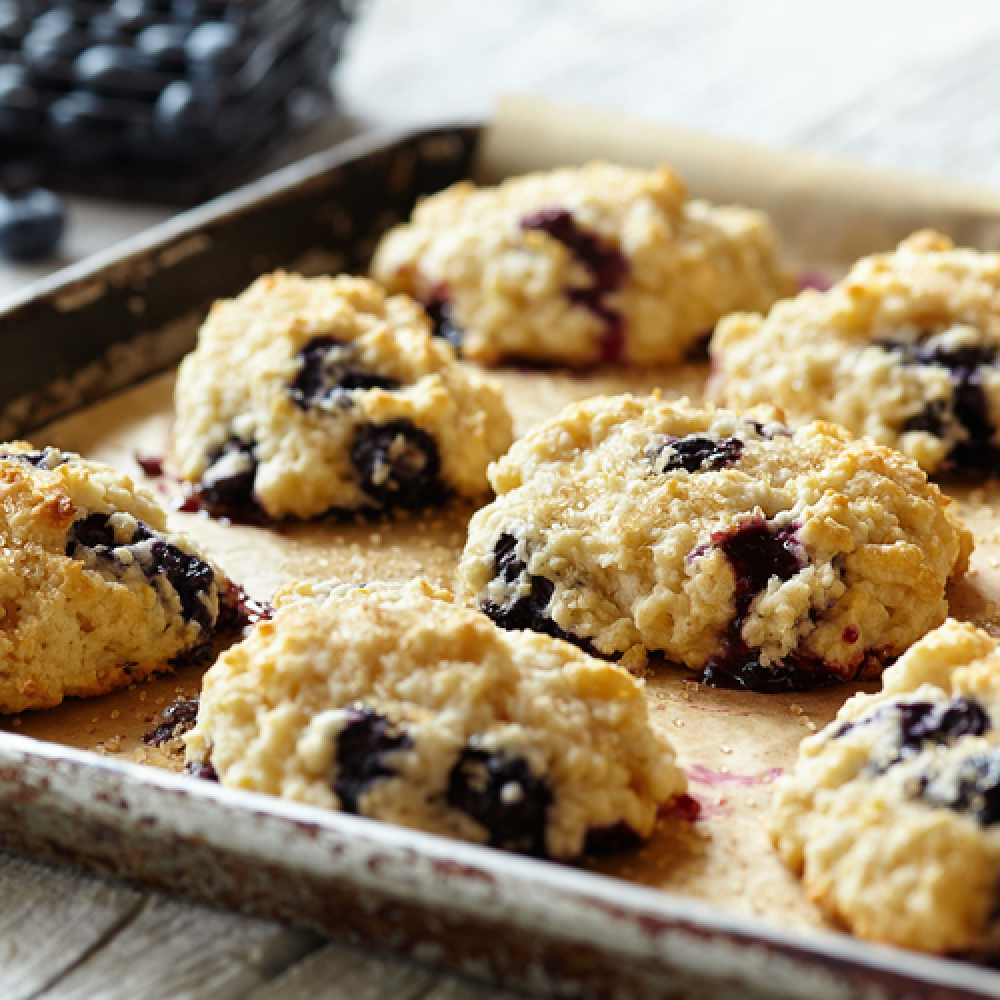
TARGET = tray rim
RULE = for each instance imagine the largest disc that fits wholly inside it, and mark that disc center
(638, 902)
(20, 755)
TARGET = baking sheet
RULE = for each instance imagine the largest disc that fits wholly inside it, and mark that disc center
(731, 744)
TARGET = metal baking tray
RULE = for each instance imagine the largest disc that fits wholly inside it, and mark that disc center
(107, 323)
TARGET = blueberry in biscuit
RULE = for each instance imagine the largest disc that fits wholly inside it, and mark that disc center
(760, 556)
(307, 395)
(395, 703)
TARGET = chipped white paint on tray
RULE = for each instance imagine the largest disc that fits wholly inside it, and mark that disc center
(894, 82)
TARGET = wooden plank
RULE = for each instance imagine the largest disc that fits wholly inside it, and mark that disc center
(50, 920)
(183, 952)
(451, 988)
(337, 972)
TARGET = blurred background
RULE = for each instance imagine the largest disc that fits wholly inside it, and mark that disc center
(133, 108)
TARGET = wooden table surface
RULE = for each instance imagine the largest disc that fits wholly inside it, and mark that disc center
(905, 83)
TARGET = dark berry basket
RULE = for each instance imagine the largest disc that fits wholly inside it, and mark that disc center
(79, 336)
(164, 100)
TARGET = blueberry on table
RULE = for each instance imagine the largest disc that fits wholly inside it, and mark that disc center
(31, 224)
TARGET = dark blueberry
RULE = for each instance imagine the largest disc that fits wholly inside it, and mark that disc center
(87, 126)
(440, 311)
(134, 15)
(527, 612)
(501, 794)
(698, 454)
(113, 70)
(931, 419)
(229, 497)
(968, 406)
(608, 267)
(974, 791)
(923, 722)
(940, 722)
(957, 358)
(738, 666)
(608, 270)
(93, 532)
(206, 771)
(19, 101)
(505, 561)
(55, 35)
(759, 552)
(187, 115)
(603, 840)
(31, 224)
(105, 27)
(162, 46)
(362, 746)
(190, 576)
(326, 376)
(398, 465)
(14, 25)
(178, 718)
(215, 48)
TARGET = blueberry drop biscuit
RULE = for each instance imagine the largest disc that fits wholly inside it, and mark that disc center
(392, 702)
(581, 266)
(762, 557)
(892, 814)
(309, 394)
(95, 593)
(903, 350)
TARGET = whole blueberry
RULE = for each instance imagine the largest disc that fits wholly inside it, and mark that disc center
(214, 48)
(31, 224)
(19, 103)
(113, 70)
(162, 46)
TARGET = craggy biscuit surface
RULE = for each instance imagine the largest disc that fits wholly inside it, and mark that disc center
(581, 265)
(761, 556)
(306, 394)
(95, 593)
(903, 350)
(892, 814)
(392, 702)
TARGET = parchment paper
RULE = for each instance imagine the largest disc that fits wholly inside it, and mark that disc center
(731, 744)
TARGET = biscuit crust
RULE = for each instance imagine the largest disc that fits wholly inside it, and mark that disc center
(95, 592)
(584, 265)
(903, 350)
(635, 525)
(292, 383)
(383, 700)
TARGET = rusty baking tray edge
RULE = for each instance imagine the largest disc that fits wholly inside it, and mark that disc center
(426, 896)
(474, 909)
